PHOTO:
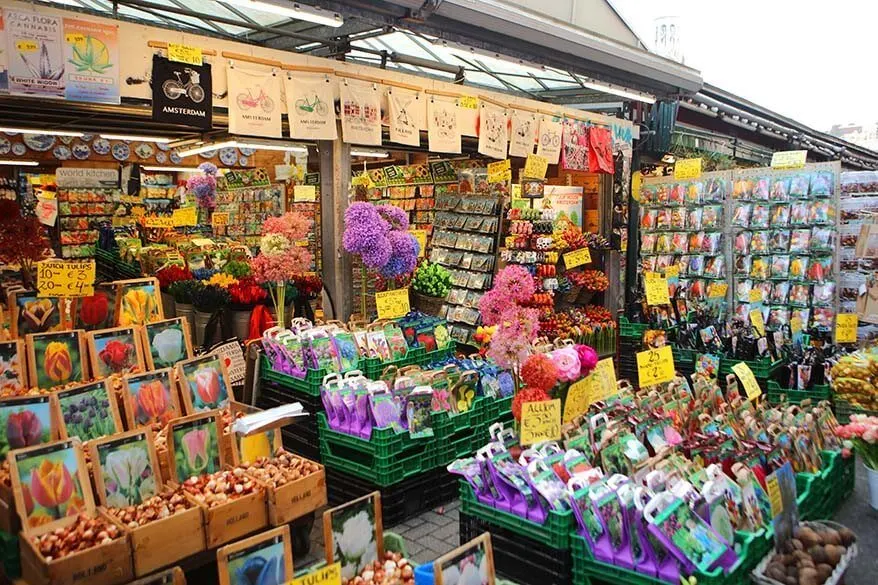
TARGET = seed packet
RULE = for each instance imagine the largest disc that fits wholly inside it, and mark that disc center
(780, 293)
(693, 219)
(663, 219)
(743, 264)
(759, 269)
(742, 243)
(779, 241)
(821, 213)
(386, 410)
(662, 262)
(346, 347)
(778, 317)
(684, 533)
(822, 184)
(679, 243)
(780, 189)
(678, 218)
(648, 219)
(742, 312)
(395, 341)
(661, 194)
(759, 216)
(742, 190)
(759, 243)
(712, 243)
(696, 241)
(418, 408)
(802, 314)
(324, 354)
(647, 264)
(799, 185)
(799, 213)
(822, 238)
(647, 243)
(764, 287)
(800, 241)
(799, 267)
(677, 195)
(822, 317)
(697, 290)
(741, 216)
(716, 189)
(696, 265)
(378, 345)
(663, 243)
(819, 269)
(742, 290)
(761, 189)
(780, 215)
(711, 216)
(780, 266)
(715, 267)
(683, 264)
(694, 193)
(800, 294)
(824, 294)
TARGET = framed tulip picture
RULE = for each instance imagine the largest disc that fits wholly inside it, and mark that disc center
(115, 351)
(471, 562)
(25, 422)
(193, 443)
(264, 558)
(138, 301)
(32, 314)
(88, 411)
(204, 383)
(126, 468)
(167, 342)
(12, 374)
(353, 534)
(150, 398)
(51, 484)
(56, 359)
(98, 310)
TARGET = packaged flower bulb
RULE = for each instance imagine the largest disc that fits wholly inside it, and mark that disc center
(780, 215)
(780, 189)
(711, 217)
(779, 241)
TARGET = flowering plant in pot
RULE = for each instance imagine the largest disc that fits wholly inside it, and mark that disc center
(430, 286)
(861, 435)
(167, 276)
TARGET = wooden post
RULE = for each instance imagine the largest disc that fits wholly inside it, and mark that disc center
(335, 179)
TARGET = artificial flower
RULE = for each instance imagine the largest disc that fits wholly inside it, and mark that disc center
(515, 283)
(51, 484)
(204, 186)
(274, 244)
(153, 400)
(588, 359)
(539, 371)
(292, 226)
(396, 217)
(281, 267)
(527, 395)
(23, 429)
(117, 356)
(222, 280)
(171, 274)
(195, 444)
(169, 345)
(403, 256)
(207, 385)
(247, 292)
(567, 361)
(57, 362)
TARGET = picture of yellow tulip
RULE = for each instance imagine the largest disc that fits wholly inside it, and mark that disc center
(138, 306)
(57, 359)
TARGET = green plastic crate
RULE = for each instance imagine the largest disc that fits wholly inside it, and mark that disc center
(762, 368)
(554, 533)
(309, 385)
(816, 394)
(684, 358)
(373, 367)
(844, 410)
(629, 329)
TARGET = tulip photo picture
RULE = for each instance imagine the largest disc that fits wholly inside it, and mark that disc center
(86, 412)
(151, 398)
(206, 383)
(196, 448)
(353, 536)
(11, 366)
(96, 311)
(36, 315)
(166, 343)
(57, 359)
(138, 304)
(50, 485)
(471, 568)
(261, 564)
(116, 352)
(127, 472)
(24, 423)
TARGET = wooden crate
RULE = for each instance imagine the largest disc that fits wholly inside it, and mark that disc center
(294, 500)
(234, 519)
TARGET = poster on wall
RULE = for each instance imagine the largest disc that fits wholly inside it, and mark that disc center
(549, 145)
(493, 130)
(468, 115)
(181, 93)
(254, 103)
(406, 116)
(522, 132)
(360, 113)
(35, 53)
(443, 132)
(311, 107)
(92, 57)
(574, 147)
(4, 55)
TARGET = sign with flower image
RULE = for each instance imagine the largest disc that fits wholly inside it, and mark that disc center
(472, 563)
(264, 559)
(138, 302)
(55, 359)
(25, 422)
(150, 398)
(126, 469)
(33, 315)
(12, 374)
(193, 442)
(167, 342)
(114, 351)
(354, 534)
(204, 383)
(87, 411)
(48, 482)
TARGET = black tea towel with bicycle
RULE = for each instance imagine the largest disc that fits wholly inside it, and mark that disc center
(181, 93)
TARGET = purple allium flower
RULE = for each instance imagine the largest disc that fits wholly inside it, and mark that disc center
(363, 225)
(397, 218)
(404, 255)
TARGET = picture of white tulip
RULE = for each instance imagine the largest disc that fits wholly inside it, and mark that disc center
(470, 569)
(168, 346)
(353, 535)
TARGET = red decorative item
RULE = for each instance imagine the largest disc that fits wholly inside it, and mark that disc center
(600, 150)
(527, 395)
(538, 371)
(94, 310)
(21, 240)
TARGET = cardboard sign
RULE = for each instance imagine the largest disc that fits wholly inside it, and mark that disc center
(185, 216)
(687, 168)
(717, 291)
(392, 304)
(757, 321)
(421, 237)
(846, 328)
(305, 193)
(65, 278)
(185, 54)
(500, 171)
(657, 291)
(745, 375)
(328, 575)
(577, 258)
(219, 218)
(540, 421)
(468, 102)
(535, 167)
(655, 366)
(789, 159)
(603, 381)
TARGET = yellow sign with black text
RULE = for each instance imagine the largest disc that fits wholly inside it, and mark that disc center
(846, 328)
(577, 258)
(540, 421)
(65, 278)
(745, 375)
(687, 168)
(655, 366)
(185, 54)
(392, 304)
(327, 575)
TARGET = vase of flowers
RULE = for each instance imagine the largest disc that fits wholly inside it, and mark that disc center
(182, 292)
(861, 435)
(168, 276)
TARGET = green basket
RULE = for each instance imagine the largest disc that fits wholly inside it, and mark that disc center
(629, 329)
(816, 394)
(762, 368)
(373, 367)
(844, 410)
(309, 385)
(684, 358)
(554, 533)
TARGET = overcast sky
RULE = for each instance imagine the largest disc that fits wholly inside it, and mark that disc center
(809, 60)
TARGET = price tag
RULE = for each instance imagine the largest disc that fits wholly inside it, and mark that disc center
(328, 575)
(468, 102)
(745, 375)
(305, 193)
(392, 304)
(540, 421)
(655, 366)
(846, 328)
(757, 321)
(657, 291)
(672, 271)
(796, 325)
(185, 54)
(421, 237)
(636, 183)
(789, 159)
(73, 38)
(153, 221)
(775, 499)
(185, 216)
(687, 168)
(578, 398)
(499, 171)
(26, 46)
(219, 218)
(577, 258)
(535, 167)
(604, 381)
(755, 295)
(65, 278)
(717, 290)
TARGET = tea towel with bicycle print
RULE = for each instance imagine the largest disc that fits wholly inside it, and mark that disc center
(182, 93)
(254, 102)
(311, 107)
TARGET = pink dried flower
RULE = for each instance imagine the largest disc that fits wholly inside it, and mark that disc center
(293, 226)
(515, 283)
(281, 267)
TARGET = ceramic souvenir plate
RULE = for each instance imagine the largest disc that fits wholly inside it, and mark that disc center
(228, 156)
(61, 152)
(121, 151)
(144, 150)
(39, 142)
(5, 145)
(18, 149)
(81, 151)
(101, 146)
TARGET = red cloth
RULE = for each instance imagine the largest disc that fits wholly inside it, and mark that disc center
(260, 320)
(600, 150)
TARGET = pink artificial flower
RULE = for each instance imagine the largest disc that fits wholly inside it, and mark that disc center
(491, 307)
(281, 267)
(871, 435)
(588, 359)
(293, 226)
(515, 284)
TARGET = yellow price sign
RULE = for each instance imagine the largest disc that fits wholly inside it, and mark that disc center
(468, 102)
(745, 375)
(535, 166)
(604, 381)
(578, 398)
(540, 421)
(65, 278)
(789, 159)
(185, 54)
(717, 290)
(846, 328)
(26, 46)
(687, 168)
(499, 171)
(655, 366)
(73, 38)
(305, 193)
(757, 321)
(158, 221)
(657, 291)
(219, 218)
(755, 295)
(775, 497)
(796, 325)
(327, 575)
(672, 271)
(392, 304)
(185, 216)
(421, 237)
(636, 184)
(577, 258)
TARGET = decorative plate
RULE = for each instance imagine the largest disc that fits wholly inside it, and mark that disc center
(228, 156)
(208, 154)
(101, 146)
(247, 151)
(163, 146)
(61, 152)
(243, 160)
(121, 151)
(87, 137)
(67, 139)
(5, 145)
(144, 150)
(18, 149)
(81, 151)
(175, 157)
(39, 142)
(161, 157)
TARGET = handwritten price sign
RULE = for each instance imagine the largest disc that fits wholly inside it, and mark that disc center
(185, 54)
(846, 328)
(657, 291)
(392, 304)
(535, 167)
(687, 168)
(65, 278)
(219, 219)
(745, 375)
(655, 366)
(789, 159)
(185, 216)
(577, 258)
(499, 172)
(540, 421)
(757, 321)
(305, 193)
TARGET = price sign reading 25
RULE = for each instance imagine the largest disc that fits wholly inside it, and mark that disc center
(65, 278)
(655, 366)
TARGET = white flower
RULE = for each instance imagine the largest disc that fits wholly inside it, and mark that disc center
(126, 466)
(147, 488)
(116, 500)
(273, 244)
(450, 575)
(470, 575)
(169, 345)
(356, 537)
(483, 568)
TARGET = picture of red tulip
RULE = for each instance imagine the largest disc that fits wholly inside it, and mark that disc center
(23, 429)
(153, 401)
(118, 356)
(51, 485)
(94, 310)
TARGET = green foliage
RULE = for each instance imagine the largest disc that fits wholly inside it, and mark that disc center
(210, 298)
(182, 290)
(432, 280)
(237, 269)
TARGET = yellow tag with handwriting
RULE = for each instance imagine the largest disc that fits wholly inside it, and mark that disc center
(757, 321)
(745, 375)
(687, 168)
(577, 258)
(540, 421)
(219, 218)
(657, 291)
(846, 328)
(535, 167)
(185, 54)
(65, 278)
(392, 304)
(789, 159)
(655, 366)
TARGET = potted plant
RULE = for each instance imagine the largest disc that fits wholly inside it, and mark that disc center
(168, 276)
(182, 292)
(861, 434)
(208, 300)
(430, 286)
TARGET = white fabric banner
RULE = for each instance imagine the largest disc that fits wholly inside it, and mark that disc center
(493, 130)
(406, 112)
(443, 132)
(549, 145)
(360, 113)
(523, 133)
(468, 115)
(254, 103)
(310, 107)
